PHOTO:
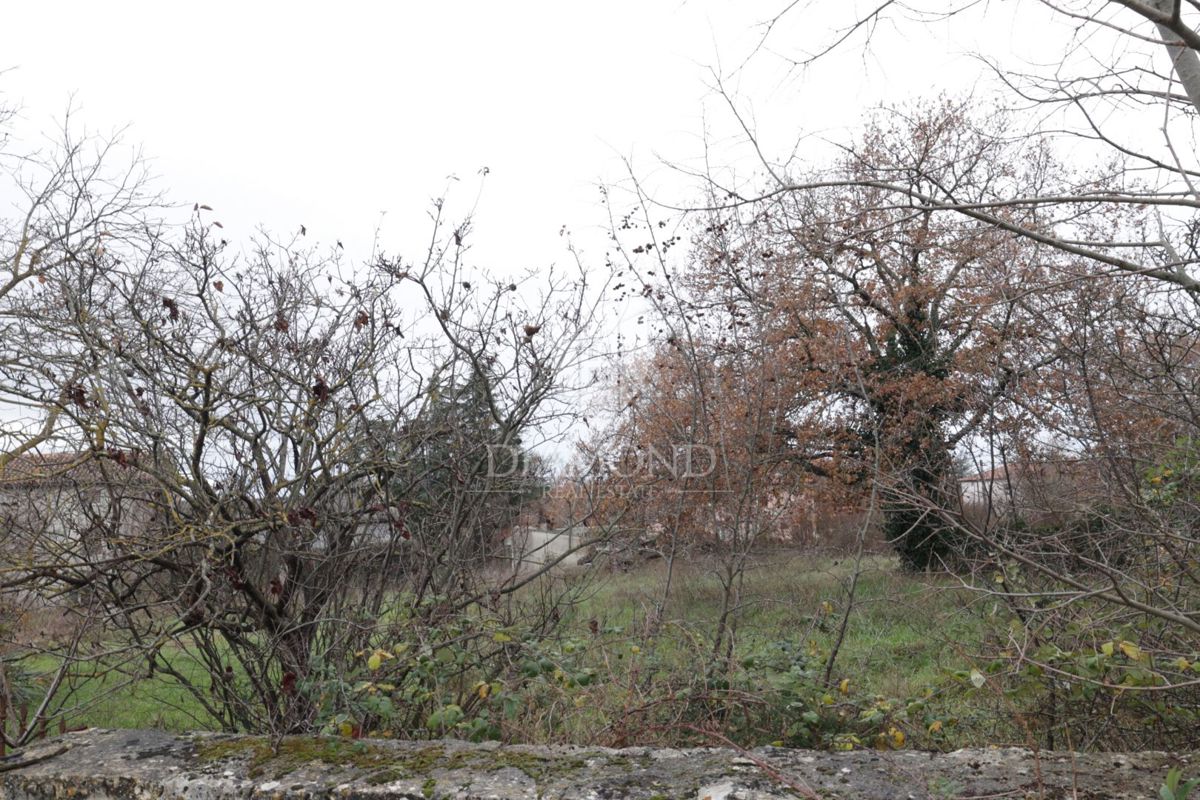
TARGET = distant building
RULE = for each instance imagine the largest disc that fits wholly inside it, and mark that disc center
(532, 547)
(993, 489)
(1035, 491)
(62, 503)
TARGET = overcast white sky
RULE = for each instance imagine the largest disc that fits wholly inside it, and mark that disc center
(332, 115)
(350, 117)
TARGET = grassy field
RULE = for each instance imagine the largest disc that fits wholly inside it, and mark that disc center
(110, 700)
(904, 630)
(907, 635)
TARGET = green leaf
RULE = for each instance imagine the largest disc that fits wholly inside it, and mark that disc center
(1131, 651)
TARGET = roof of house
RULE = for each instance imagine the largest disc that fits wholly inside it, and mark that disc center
(60, 467)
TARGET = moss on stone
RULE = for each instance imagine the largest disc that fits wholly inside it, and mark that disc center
(536, 766)
(382, 763)
(288, 755)
(385, 775)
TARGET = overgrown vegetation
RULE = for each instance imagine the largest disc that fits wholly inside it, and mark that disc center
(906, 674)
(279, 494)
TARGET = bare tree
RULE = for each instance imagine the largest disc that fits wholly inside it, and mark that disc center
(279, 464)
(75, 198)
(1124, 87)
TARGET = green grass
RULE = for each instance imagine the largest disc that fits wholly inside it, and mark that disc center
(905, 631)
(105, 699)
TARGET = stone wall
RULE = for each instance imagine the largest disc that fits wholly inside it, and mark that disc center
(152, 765)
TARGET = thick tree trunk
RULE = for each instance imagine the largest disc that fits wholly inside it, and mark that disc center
(1183, 58)
(915, 496)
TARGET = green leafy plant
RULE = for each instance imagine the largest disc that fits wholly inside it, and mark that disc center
(465, 677)
(1172, 789)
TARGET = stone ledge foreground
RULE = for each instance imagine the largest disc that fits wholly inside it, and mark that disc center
(152, 765)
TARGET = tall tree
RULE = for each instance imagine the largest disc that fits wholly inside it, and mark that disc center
(897, 330)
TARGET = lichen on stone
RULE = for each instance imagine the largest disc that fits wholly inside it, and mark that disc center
(140, 765)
